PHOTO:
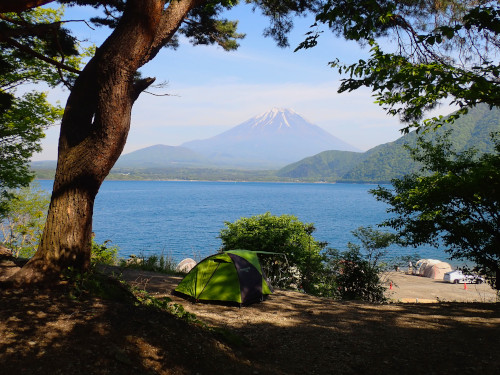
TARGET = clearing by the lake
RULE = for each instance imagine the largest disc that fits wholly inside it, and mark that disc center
(290, 333)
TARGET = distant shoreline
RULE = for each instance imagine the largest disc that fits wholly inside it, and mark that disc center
(239, 181)
(49, 175)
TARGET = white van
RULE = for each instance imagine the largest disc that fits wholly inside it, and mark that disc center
(457, 276)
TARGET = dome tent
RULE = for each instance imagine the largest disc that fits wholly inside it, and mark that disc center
(437, 271)
(432, 268)
(232, 276)
(422, 264)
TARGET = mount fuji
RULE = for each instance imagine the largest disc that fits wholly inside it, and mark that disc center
(274, 138)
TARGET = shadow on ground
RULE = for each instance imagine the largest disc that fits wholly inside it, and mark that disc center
(50, 333)
(47, 332)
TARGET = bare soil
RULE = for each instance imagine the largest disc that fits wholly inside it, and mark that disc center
(48, 332)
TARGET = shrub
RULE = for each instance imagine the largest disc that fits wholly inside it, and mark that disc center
(104, 254)
(353, 276)
(23, 220)
(301, 262)
(156, 263)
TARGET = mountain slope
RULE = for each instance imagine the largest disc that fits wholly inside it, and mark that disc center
(391, 160)
(331, 164)
(276, 137)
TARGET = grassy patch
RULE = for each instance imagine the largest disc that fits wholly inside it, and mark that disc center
(155, 263)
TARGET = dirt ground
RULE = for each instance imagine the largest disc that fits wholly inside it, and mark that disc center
(405, 288)
(411, 288)
(290, 333)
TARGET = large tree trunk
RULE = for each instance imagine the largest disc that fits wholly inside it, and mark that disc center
(94, 130)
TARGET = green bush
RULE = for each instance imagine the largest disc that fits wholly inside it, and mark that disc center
(156, 263)
(23, 219)
(352, 277)
(300, 263)
(104, 254)
(355, 274)
(305, 265)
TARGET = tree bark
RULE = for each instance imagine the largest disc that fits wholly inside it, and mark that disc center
(94, 130)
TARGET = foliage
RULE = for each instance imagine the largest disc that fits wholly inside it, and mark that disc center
(440, 50)
(23, 223)
(205, 24)
(156, 263)
(375, 243)
(354, 277)
(327, 165)
(300, 264)
(23, 118)
(36, 48)
(189, 174)
(104, 254)
(93, 283)
(452, 202)
(356, 272)
(21, 130)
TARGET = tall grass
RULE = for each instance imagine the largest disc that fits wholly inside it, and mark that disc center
(163, 263)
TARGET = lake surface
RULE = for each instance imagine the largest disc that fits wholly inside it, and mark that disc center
(183, 218)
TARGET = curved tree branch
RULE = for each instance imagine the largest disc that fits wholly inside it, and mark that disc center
(26, 49)
(172, 19)
(142, 85)
(21, 5)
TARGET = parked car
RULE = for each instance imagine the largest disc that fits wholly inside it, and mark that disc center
(474, 279)
(457, 276)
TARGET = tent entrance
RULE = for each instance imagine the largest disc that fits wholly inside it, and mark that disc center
(250, 279)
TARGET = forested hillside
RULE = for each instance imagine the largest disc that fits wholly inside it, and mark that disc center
(392, 160)
(334, 164)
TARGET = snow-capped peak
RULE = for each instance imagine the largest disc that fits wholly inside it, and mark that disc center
(279, 134)
(276, 116)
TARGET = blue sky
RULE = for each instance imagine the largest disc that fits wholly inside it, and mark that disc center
(213, 90)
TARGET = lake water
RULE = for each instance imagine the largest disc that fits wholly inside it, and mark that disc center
(183, 219)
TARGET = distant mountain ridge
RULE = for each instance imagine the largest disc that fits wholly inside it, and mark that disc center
(379, 164)
(276, 137)
(391, 160)
(268, 141)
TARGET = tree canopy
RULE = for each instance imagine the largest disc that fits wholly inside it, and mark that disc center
(21, 129)
(453, 202)
(422, 52)
(25, 116)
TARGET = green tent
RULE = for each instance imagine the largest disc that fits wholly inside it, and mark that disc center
(231, 276)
